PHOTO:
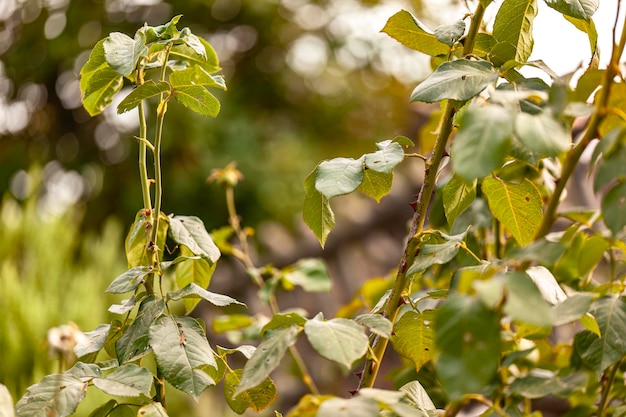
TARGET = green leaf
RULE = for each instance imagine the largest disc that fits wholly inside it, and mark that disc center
(195, 76)
(162, 32)
(126, 381)
(310, 273)
(457, 195)
(266, 357)
(580, 9)
(128, 281)
(467, 336)
(414, 337)
(547, 284)
(134, 343)
(409, 31)
(194, 271)
(385, 159)
(516, 206)
(436, 254)
(340, 340)
(151, 410)
(455, 80)
(573, 308)
(56, 395)
(186, 54)
(376, 323)
(124, 307)
(541, 134)
(123, 52)
(142, 92)
(190, 232)
(482, 142)
(99, 82)
(354, 407)
(538, 387)
(418, 396)
(180, 347)
(610, 347)
(198, 99)
(136, 240)
(514, 25)
(316, 211)
(522, 292)
(257, 398)
(93, 342)
(339, 176)
(450, 34)
(195, 291)
(123, 410)
(614, 207)
(376, 184)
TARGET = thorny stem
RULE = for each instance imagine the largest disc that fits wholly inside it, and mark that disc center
(432, 164)
(245, 258)
(143, 135)
(600, 110)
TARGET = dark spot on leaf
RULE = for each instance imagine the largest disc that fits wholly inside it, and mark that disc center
(527, 198)
(463, 77)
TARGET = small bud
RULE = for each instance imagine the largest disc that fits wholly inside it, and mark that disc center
(229, 176)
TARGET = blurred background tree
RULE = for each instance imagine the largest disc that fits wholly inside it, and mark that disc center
(307, 80)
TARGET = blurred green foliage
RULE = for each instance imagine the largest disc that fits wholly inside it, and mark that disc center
(307, 80)
(51, 272)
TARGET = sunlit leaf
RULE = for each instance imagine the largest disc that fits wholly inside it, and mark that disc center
(376, 184)
(281, 321)
(418, 396)
(181, 348)
(514, 24)
(409, 31)
(436, 254)
(257, 398)
(128, 380)
(376, 323)
(98, 81)
(194, 271)
(414, 337)
(587, 26)
(196, 76)
(482, 142)
(93, 341)
(195, 291)
(267, 356)
(339, 176)
(316, 211)
(56, 395)
(198, 99)
(581, 9)
(151, 410)
(340, 340)
(457, 196)
(516, 206)
(162, 32)
(547, 284)
(123, 52)
(455, 80)
(467, 336)
(185, 53)
(190, 231)
(385, 159)
(144, 91)
(136, 240)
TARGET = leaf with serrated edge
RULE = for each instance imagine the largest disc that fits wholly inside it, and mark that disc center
(516, 206)
(376, 184)
(98, 81)
(57, 395)
(198, 99)
(514, 25)
(126, 381)
(414, 337)
(376, 323)
(409, 31)
(457, 195)
(267, 356)
(190, 231)
(610, 314)
(123, 52)
(455, 80)
(316, 211)
(340, 340)
(180, 347)
(389, 155)
(134, 342)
